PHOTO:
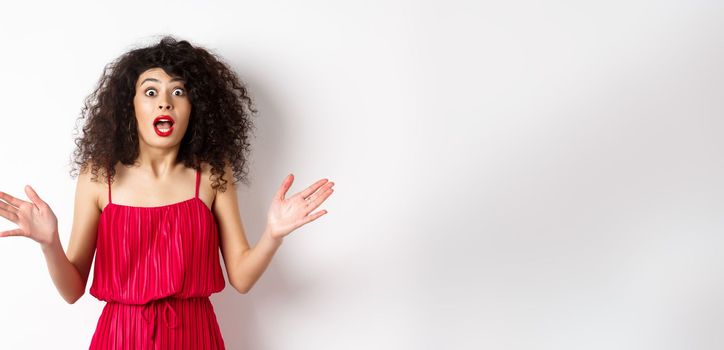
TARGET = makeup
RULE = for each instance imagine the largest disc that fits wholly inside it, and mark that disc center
(163, 125)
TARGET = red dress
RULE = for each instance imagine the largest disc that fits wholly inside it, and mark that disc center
(156, 267)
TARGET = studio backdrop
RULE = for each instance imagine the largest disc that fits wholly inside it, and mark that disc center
(508, 175)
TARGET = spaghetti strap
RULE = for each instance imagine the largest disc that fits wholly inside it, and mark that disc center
(198, 178)
(109, 188)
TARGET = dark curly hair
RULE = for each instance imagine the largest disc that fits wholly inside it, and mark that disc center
(219, 125)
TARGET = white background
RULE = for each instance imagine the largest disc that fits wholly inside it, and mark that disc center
(509, 175)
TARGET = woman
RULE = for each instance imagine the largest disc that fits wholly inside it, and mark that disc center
(161, 117)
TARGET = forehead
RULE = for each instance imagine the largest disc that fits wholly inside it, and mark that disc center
(156, 75)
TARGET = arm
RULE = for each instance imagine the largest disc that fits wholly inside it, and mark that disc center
(255, 261)
(37, 221)
(65, 276)
(244, 265)
(70, 271)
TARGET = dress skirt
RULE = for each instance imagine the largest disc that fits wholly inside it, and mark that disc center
(168, 323)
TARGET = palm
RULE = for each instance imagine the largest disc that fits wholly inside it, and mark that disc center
(35, 219)
(287, 214)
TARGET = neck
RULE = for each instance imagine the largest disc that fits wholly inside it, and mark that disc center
(158, 162)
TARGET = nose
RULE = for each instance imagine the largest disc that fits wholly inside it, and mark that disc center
(164, 102)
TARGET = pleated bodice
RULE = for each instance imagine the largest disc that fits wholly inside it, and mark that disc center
(148, 253)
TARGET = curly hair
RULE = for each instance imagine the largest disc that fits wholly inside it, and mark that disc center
(219, 125)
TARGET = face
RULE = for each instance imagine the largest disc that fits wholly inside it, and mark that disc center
(162, 108)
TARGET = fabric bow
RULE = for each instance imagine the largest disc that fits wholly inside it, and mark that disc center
(153, 319)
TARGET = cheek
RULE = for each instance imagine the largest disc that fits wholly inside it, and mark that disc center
(140, 103)
(186, 106)
(140, 111)
(143, 109)
(185, 110)
(183, 125)
(138, 106)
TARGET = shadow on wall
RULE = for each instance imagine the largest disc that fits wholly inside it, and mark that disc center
(236, 313)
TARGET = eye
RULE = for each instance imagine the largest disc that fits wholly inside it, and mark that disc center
(149, 91)
(181, 92)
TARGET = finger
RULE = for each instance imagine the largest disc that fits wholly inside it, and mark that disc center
(309, 218)
(317, 200)
(9, 214)
(7, 207)
(34, 196)
(312, 188)
(10, 199)
(15, 232)
(285, 186)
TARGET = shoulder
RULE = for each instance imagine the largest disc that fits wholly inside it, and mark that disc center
(87, 188)
(206, 190)
(206, 176)
(207, 180)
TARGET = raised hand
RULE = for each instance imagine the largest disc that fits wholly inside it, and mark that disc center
(35, 219)
(286, 215)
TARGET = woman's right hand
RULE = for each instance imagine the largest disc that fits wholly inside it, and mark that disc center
(35, 219)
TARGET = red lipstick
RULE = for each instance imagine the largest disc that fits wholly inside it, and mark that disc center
(168, 120)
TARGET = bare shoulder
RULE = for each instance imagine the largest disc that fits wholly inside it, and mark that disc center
(88, 190)
(206, 184)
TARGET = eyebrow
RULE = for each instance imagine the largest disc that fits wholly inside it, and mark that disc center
(158, 81)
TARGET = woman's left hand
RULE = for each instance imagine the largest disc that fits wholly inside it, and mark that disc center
(288, 214)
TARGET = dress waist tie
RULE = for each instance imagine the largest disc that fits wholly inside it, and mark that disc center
(150, 314)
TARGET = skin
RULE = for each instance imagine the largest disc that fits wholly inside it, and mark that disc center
(155, 180)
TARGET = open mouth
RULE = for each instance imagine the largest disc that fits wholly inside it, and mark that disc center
(163, 125)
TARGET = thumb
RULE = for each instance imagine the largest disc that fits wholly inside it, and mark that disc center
(284, 187)
(33, 196)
